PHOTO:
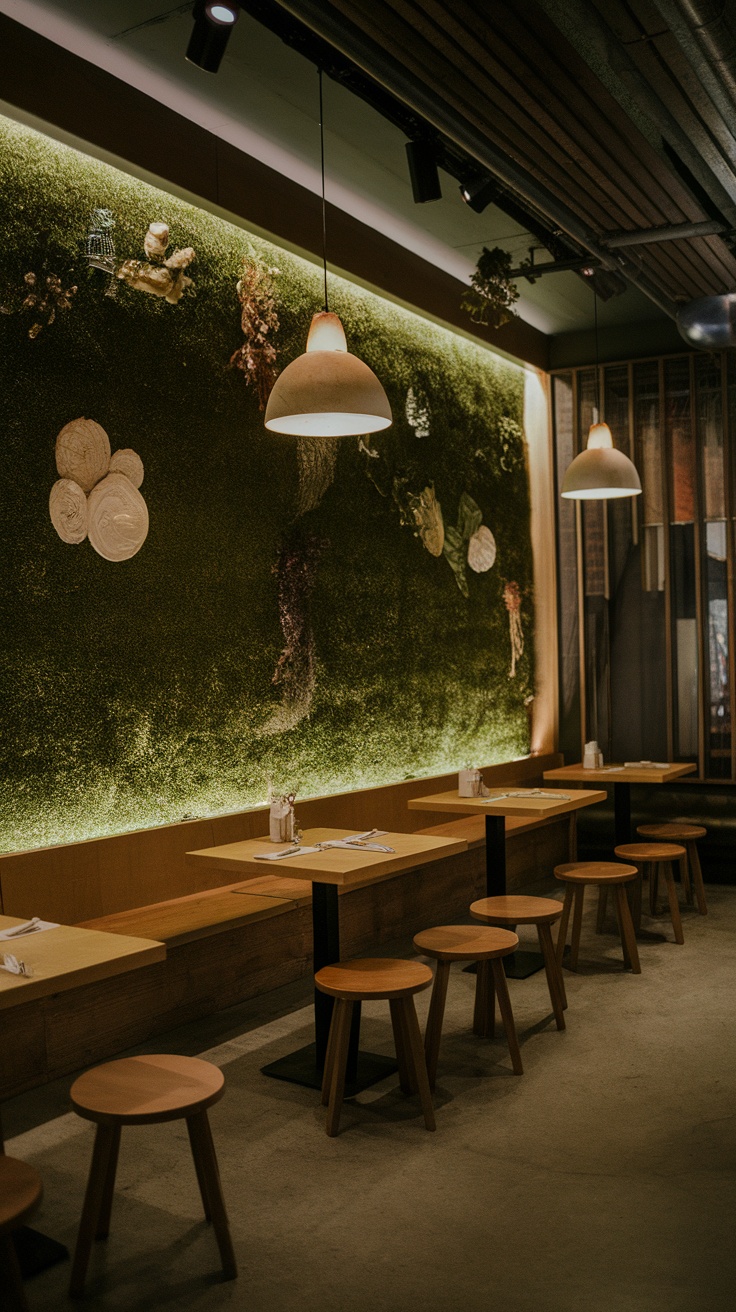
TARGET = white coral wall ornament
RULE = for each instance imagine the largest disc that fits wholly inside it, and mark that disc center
(88, 501)
(482, 550)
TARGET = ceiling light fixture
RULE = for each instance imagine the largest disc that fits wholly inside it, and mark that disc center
(327, 392)
(600, 473)
(479, 192)
(213, 23)
(423, 172)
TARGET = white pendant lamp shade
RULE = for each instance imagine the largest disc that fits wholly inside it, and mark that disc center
(600, 472)
(327, 392)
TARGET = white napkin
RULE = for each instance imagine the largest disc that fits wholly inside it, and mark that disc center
(532, 792)
(15, 967)
(290, 851)
(353, 841)
(646, 765)
(33, 926)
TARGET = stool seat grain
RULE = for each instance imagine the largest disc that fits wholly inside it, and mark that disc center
(373, 977)
(465, 943)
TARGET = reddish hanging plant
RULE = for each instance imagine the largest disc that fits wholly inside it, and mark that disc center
(256, 358)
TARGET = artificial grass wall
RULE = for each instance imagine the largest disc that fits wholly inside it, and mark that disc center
(142, 691)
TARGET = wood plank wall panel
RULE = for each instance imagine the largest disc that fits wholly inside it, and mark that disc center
(83, 881)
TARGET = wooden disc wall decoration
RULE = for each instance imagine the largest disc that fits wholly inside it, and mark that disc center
(128, 462)
(68, 510)
(83, 452)
(118, 518)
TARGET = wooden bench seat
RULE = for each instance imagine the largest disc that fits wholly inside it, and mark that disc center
(473, 827)
(199, 915)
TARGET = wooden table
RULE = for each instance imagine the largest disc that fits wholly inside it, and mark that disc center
(61, 959)
(527, 803)
(327, 871)
(621, 777)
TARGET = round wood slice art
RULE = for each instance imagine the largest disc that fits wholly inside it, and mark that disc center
(83, 452)
(68, 510)
(128, 462)
(118, 518)
(481, 550)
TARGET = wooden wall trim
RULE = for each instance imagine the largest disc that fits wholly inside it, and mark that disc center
(42, 79)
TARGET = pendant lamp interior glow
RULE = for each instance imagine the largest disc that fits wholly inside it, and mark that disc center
(327, 392)
(600, 472)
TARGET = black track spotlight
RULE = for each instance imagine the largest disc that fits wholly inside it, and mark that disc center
(214, 20)
(425, 180)
(479, 192)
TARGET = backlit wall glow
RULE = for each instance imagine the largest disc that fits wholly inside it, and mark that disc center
(317, 618)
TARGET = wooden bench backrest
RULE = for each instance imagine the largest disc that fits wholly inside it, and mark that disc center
(81, 881)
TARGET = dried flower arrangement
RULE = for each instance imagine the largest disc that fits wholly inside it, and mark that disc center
(256, 358)
(492, 293)
(43, 299)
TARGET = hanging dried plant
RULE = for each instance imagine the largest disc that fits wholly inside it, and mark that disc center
(258, 320)
(492, 292)
(512, 602)
(43, 299)
(296, 571)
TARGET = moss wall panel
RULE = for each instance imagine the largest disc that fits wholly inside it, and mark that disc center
(143, 690)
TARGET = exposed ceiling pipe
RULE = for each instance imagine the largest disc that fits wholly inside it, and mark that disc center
(704, 33)
(584, 27)
(673, 232)
(375, 61)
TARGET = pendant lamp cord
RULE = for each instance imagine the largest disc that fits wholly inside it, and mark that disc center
(324, 206)
(597, 366)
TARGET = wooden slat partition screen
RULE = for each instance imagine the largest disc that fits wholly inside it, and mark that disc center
(82, 881)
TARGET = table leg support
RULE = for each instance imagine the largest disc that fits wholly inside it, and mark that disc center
(521, 964)
(622, 813)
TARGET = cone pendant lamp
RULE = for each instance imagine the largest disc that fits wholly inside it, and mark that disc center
(600, 472)
(327, 392)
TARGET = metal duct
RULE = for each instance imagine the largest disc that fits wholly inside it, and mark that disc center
(424, 100)
(704, 32)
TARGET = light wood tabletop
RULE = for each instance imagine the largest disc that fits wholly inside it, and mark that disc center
(66, 957)
(536, 803)
(620, 774)
(336, 865)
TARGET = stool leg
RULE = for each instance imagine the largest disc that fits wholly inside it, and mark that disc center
(433, 1033)
(634, 897)
(11, 1280)
(329, 1059)
(507, 1015)
(653, 887)
(201, 1178)
(103, 1222)
(484, 1011)
(577, 924)
(628, 937)
(400, 1043)
(685, 878)
(674, 904)
(342, 1017)
(694, 855)
(107, 1139)
(564, 921)
(205, 1161)
(553, 974)
(600, 921)
(415, 1055)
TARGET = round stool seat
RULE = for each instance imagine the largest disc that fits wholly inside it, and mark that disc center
(596, 872)
(20, 1192)
(373, 977)
(673, 832)
(465, 943)
(650, 851)
(516, 910)
(144, 1090)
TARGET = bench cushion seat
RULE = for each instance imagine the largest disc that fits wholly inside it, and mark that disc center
(198, 915)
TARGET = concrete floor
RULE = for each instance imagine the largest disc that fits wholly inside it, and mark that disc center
(601, 1179)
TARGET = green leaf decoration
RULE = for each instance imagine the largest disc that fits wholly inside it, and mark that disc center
(454, 553)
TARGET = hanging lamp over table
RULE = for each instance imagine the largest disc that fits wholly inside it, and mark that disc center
(327, 392)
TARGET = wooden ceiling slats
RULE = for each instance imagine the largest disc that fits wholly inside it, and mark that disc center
(506, 71)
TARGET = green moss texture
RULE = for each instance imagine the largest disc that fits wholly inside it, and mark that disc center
(139, 692)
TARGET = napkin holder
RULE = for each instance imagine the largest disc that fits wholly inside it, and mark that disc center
(470, 784)
(281, 820)
(592, 756)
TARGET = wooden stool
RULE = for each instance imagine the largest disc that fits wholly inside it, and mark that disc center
(20, 1193)
(448, 943)
(508, 912)
(687, 835)
(602, 874)
(369, 980)
(650, 856)
(145, 1091)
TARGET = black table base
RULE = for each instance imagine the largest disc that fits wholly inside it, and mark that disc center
(306, 1065)
(622, 813)
(519, 965)
(301, 1067)
(37, 1252)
